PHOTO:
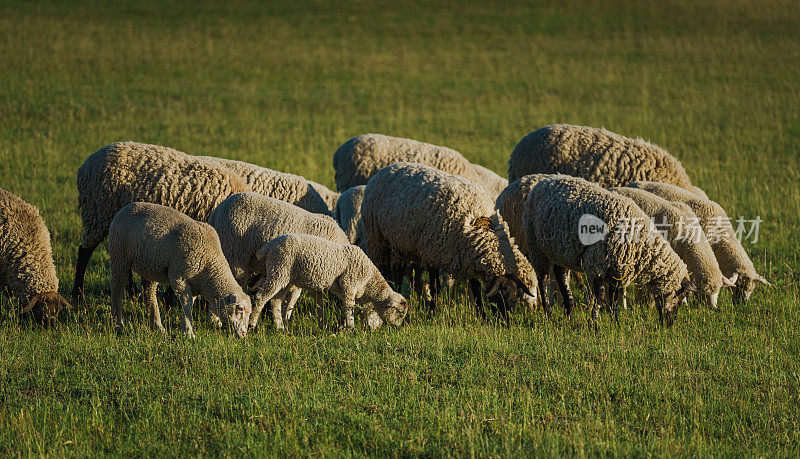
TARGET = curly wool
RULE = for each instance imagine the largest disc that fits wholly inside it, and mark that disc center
(594, 154)
(26, 257)
(511, 205)
(716, 224)
(551, 221)
(684, 235)
(348, 213)
(431, 218)
(358, 159)
(329, 196)
(290, 188)
(126, 172)
(247, 221)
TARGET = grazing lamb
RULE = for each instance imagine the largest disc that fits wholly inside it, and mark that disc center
(290, 188)
(439, 221)
(247, 221)
(630, 251)
(358, 159)
(163, 245)
(297, 261)
(687, 239)
(596, 155)
(348, 214)
(126, 172)
(26, 260)
(732, 258)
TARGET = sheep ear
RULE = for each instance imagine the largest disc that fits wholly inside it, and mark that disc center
(262, 252)
(34, 299)
(259, 284)
(732, 279)
(521, 285)
(686, 287)
(495, 287)
(728, 282)
(233, 299)
(761, 279)
(482, 222)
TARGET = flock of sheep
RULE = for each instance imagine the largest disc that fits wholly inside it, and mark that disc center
(242, 236)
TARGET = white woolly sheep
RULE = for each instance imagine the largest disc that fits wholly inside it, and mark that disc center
(247, 221)
(126, 172)
(290, 188)
(304, 261)
(630, 252)
(439, 221)
(686, 237)
(26, 260)
(358, 159)
(348, 214)
(163, 245)
(594, 154)
(329, 196)
(732, 258)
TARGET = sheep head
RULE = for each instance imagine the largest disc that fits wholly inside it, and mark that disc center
(668, 304)
(234, 309)
(745, 285)
(45, 307)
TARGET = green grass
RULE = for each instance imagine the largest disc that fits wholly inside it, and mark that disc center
(716, 83)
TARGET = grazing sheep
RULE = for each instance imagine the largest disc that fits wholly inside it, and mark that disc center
(511, 205)
(26, 260)
(596, 155)
(732, 258)
(121, 173)
(163, 245)
(630, 250)
(358, 159)
(329, 196)
(687, 239)
(247, 221)
(439, 221)
(348, 214)
(290, 188)
(297, 261)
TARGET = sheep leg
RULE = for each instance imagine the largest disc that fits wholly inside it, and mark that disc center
(275, 306)
(541, 277)
(319, 301)
(475, 288)
(186, 300)
(349, 311)
(84, 255)
(563, 287)
(259, 300)
(149, 291)
(119, 274)
(435, 284)
(131, 286)
(616, 298)
(294, 294)
(599, 296)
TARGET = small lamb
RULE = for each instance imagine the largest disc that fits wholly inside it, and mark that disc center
(163, 245)
(309, 262)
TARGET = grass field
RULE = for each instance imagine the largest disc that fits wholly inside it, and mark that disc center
(717, 83)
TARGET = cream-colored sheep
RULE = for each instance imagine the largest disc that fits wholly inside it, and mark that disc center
(358, 159)
(126, 172)
(27, 270)
(594, 154)
(304, 261)
(575, 224)
(732, 258)
(439, 221)
(290, 188)
(163, 245)
(686, 237)
(247, 221)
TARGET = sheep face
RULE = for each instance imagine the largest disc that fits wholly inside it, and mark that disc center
(45, 308)
(393, 309)
(235, 311)
(668, 303)
(505, 291)
(745, 285)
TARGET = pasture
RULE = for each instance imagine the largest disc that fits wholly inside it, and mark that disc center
(283, 85)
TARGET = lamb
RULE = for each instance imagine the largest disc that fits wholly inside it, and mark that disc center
(297, 261)
(348, 214)
(732, 258)
(26, 260)
(439, 221)
(291, 188)
(358, 159)
(687, 239)
(594, 154)
(329, 196)
(163, 245)
(247, 221)
(121, 173)
(626, 250)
